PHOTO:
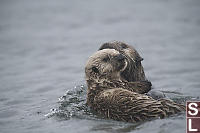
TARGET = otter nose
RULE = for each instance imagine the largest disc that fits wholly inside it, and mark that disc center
(119, 57)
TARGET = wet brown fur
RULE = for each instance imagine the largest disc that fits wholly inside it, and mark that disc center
(113, 98)
(134, 70)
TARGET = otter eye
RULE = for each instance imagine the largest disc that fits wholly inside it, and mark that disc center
(94, 69)
(106, 59)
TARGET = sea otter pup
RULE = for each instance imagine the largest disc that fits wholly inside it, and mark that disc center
(113, 98)
(134, 70)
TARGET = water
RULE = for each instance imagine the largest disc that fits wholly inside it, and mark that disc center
(44, 46)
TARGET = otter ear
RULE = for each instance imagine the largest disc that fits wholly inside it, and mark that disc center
(94, 69)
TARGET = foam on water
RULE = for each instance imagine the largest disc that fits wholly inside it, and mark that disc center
(72, 104)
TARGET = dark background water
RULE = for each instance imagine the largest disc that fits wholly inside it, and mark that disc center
(44, 46)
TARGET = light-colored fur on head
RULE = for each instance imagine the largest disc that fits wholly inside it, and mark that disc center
(134, 70)
(105, 64)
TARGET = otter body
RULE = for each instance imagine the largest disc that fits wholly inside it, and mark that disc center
(124, 105)
(115, 98)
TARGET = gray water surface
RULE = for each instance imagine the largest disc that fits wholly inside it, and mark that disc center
(44, 46)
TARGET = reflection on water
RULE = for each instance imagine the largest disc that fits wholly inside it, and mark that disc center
(44, 46)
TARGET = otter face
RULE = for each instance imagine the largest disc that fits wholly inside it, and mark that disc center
(134, 70)
(104, 64)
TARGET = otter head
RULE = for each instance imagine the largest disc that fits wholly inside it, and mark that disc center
(134, 70)
(123, 48)
(106, 64)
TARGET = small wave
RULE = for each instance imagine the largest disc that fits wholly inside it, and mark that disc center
(175, 96)
(179, 97)
(72, 104)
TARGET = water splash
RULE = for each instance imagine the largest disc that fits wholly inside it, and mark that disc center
(72, 104)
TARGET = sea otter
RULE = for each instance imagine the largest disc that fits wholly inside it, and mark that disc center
(111, 97)
(134, 70)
